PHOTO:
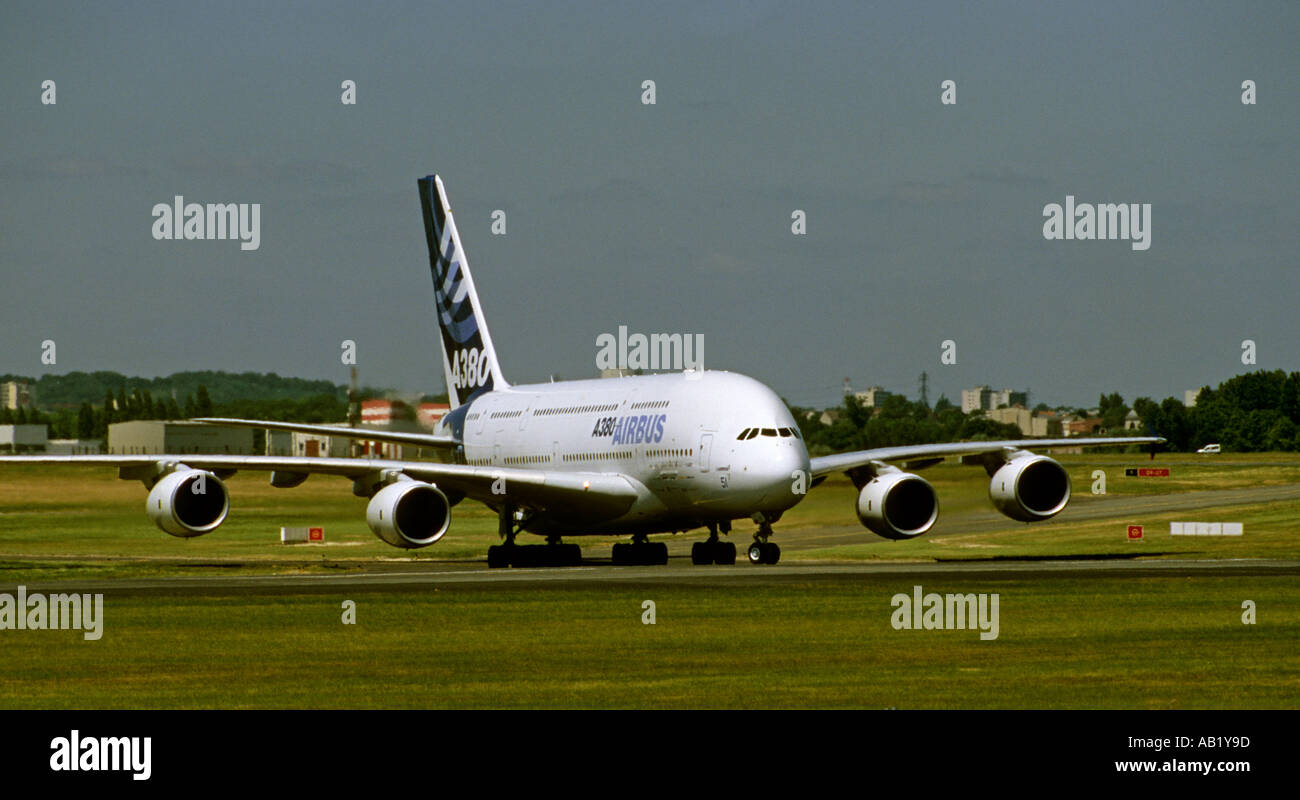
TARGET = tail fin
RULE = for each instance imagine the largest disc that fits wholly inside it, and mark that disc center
(468, 357)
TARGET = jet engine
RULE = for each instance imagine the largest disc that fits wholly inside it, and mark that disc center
(188, 502)
(898, 505)
(409, 514)
(1030, 488)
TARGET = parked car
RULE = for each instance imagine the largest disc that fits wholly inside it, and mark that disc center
(1209, 448)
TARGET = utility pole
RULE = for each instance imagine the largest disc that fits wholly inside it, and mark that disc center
(925, 397)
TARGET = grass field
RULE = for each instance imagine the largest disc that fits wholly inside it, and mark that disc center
(1070, 640)
(1094, 643)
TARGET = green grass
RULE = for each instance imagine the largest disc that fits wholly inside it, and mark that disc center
(1070, 643)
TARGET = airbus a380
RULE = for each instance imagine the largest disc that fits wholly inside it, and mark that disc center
(669, 452)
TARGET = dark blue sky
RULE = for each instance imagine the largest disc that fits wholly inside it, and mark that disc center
(924, 220)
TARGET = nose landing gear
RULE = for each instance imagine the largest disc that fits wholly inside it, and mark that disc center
(762, 551)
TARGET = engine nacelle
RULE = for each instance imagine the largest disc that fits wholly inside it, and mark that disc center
(409, 514)
(1030, 488)
(898, 505)
(188, 502)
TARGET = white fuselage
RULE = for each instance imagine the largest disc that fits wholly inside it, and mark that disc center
(672, 436)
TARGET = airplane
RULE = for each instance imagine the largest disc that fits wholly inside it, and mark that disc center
(629, 456)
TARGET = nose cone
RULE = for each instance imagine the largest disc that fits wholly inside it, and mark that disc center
(785, 473)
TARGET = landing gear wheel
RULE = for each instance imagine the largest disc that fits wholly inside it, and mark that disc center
(764, 553)
(622, 554)
(656, 553)
(773, 553)
(702, 553)
(724, 553)
(498, 556)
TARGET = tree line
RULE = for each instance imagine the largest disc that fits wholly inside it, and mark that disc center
(1253, 412)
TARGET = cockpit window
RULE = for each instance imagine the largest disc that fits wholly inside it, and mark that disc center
(769, 431)
(752, 433)
(742, 434)
(785, 431)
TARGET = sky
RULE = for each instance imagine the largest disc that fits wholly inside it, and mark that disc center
(924, 220)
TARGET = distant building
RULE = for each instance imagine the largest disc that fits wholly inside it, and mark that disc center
(1132, 422)
(616, 372)
(1030, 424)
(430, 414)
(385, 412)
(171, 436)
(23, 438)
(984, 398)
(1008, 398)
(975, 399)
(1085, 426)
(872, 397)
(17, 394)
(298, 443)
(1190, 396)
(74, 447)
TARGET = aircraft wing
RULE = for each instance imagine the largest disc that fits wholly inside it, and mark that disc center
(602, 495)
(397, 437)
(932, 453)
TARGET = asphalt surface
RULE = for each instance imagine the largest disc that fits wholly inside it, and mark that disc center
(674, 573)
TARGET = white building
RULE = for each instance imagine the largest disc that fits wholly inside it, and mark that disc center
(872, 397)
(976, 399)
(15, 395)
(23, 438)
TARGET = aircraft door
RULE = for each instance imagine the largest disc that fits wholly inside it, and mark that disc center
(706, 444)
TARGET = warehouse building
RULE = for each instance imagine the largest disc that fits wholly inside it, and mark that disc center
(170, 436)
(23, 438)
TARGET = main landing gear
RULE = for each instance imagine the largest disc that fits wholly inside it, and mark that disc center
(714, 551)
(762, 551)
(641, 551)
(552, 554)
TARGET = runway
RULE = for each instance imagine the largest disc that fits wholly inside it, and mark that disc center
(678, 572)
(425, 574)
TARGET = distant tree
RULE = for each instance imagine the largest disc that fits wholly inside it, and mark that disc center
(191, 410)
(109, 416)
(173, 410)
(86, 422)
(203, 403)
(20, 416)
(6, 416)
